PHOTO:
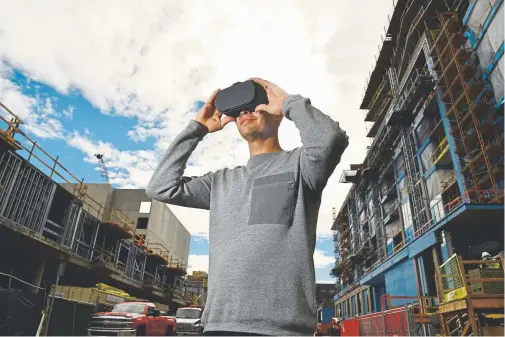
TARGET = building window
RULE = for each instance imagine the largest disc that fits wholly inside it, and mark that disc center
(365, 302)
(142, 223)
(145, 207)
(358, 305)
(400, 166)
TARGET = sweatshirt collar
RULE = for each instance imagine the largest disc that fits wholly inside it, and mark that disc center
(258, 159)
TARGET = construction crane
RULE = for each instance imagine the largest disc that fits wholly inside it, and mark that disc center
(103, 169)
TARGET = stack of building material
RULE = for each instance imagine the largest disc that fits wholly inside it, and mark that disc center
(486, 287)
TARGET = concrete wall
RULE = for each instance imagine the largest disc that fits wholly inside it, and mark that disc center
(401, 281)
(128, 201)
(101, 193)
(163, 225)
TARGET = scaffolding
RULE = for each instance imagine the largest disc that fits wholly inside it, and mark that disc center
(158, 250)
(26, 193)
(438, 145)
(471, 117)
(86, 234)
(470, 293)
(343, 248)
(41, 198)
(431, 65)
(35, 187)
(398, 132)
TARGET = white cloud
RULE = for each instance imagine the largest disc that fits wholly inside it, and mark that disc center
(321, 260)
(198, 263)
(152, 61)
(38, 114)
(128, 169)
(68, 113)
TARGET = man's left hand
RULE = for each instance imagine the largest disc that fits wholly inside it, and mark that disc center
(276, 97)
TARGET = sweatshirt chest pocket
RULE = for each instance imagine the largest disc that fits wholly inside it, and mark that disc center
(273, 200)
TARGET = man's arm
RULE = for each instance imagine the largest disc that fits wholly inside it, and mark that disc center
(168, 183)
(323, 140)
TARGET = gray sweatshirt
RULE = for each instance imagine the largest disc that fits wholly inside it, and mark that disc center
(263, 219)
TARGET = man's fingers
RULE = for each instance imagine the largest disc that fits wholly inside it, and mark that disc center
(268, 87)
(212, 97)
(260, 81)
(262, 107)
(270, 93)
(227, 120)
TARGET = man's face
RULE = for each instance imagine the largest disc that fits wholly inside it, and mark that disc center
(259, 124)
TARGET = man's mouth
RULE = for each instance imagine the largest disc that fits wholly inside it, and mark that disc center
(246, 120)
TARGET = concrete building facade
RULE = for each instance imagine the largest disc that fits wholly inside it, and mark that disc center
(153, 220)
(325, 293)
(196, 286)
(428, 198)
(49, 218)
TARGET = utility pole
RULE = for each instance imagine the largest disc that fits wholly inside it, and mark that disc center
(59, 272)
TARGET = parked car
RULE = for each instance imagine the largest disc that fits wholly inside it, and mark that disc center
(189, 321)
(132, 319)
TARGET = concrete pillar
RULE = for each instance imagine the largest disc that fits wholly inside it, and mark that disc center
(39, 273)
(446, 247)
(370, 295)
(448, 242)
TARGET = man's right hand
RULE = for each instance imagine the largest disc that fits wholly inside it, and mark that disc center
(210, 117)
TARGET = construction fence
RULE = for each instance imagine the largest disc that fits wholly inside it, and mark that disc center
(388, 323)
(20, 312)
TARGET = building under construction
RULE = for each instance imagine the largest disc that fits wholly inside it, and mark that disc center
(427, 200)
(54, 229)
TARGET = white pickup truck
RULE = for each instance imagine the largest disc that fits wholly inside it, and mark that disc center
(189, 321)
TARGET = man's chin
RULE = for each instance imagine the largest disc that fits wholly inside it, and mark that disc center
(248, 133)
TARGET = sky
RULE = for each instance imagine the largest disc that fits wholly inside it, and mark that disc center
(124, 77)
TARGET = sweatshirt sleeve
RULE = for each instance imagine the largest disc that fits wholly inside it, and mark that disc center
(168, 184)
(323, 141)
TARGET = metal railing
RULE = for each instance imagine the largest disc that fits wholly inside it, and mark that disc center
(41, 159)
(460, 278)
(16, 279)
(68, 232)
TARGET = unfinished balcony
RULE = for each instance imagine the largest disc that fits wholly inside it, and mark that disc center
(31, 202)
(352, 175)
(416, 90)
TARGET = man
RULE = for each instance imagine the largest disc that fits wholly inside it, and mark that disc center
(486, 257)
(335, 323)
(263, 215)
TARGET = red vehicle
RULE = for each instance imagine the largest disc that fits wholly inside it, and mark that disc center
(132, 319)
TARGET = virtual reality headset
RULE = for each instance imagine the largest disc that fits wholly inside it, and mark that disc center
(242, 96)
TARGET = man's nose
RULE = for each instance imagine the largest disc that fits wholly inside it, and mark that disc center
(242, 113)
